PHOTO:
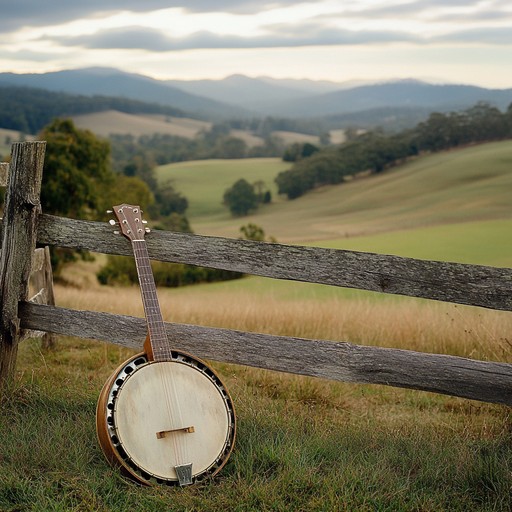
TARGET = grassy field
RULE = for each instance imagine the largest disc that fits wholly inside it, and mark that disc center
(303, 444)
(112, 121)
(203, 182)
(444, 188)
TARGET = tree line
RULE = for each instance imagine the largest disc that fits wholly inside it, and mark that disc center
(374, 151)
(147, 151)
(80, 182)
(28, 110)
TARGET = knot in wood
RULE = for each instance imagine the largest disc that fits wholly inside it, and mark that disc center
(384, 283)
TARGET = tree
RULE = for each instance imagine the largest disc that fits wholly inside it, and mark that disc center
(298, 151)
(77, 174)
(256, 233)
(78, 181)
(241, 198)
(253, 232)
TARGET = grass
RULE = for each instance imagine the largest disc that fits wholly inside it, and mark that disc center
(204, 182)
(477, 242)
(7, 138)
(112, 121)
(472, 184)
(302, 444)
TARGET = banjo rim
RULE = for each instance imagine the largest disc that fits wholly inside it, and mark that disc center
(106, 428)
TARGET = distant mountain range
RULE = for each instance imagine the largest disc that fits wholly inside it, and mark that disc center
(115, 83)
(240, 96)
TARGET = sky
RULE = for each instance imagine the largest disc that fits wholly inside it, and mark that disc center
(455, 41)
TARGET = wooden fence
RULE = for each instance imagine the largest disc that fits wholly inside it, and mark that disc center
(24, 226)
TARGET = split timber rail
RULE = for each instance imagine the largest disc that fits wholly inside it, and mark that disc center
(25, 227)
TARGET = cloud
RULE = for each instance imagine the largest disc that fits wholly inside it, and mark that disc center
(16, 14)
(278, 36)
(486, 35)
(29, 55)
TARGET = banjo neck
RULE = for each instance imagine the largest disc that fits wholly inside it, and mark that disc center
(132, 227)
(156, 328)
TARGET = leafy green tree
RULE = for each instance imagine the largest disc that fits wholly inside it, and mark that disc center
(254, 232)
(298, 151)
(76, 173)
(241, 198)
(127, 189)
(78, 181)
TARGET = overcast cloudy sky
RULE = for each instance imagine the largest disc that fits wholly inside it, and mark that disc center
(463, 41)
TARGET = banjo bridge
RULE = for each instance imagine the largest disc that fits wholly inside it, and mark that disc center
(163, 433)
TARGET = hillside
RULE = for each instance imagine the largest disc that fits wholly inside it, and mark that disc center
(203, 182)
(28, 109)
(400, 94)
(471, 184)
(395, 103)
(112, 82)
(112, 121)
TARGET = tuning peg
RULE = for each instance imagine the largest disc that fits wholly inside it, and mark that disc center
(110, 211)
(116, 232)
(112, 222)
(144, 222)
(147, 230)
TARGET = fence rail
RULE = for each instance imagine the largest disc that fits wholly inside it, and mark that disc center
(340, 361)
(475, 285)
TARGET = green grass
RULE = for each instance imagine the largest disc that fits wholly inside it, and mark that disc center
(204, 182)
(478, 243)
(303, 444)
(463, 185)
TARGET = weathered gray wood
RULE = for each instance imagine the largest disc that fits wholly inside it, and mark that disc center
(22, 207)
(41, 280)
(4, 169)
(452, 282)
(457, 376)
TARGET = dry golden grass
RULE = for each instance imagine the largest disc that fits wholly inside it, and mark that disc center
(113, 121)
(423, 326)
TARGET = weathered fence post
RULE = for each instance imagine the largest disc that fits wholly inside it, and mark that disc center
(41, 281)
(22, 207)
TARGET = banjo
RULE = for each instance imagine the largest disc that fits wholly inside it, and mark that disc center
(164, 416)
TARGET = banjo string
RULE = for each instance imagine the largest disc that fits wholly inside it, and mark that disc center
(150, 300)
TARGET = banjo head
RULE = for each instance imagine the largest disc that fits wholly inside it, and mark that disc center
(168, 422)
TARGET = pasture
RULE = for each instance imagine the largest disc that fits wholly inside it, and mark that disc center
(450, 187)
(303, 444)
(203, 182)
(7, 137)
(115, 122)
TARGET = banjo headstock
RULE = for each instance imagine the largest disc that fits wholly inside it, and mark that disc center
(129, 219)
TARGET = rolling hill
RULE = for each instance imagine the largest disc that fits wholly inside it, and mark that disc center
(115, 83)
(471, 184)
(244, 97)
(400, 94)
(112, 121)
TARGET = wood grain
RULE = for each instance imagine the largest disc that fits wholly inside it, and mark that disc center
(457, 376)
(475, 285)
(22, 208)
